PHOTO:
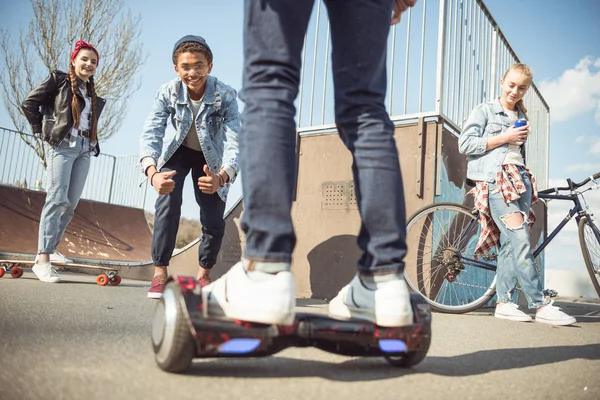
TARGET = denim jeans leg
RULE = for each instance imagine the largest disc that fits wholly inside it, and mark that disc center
(359, 33)
(530, 278)
(79, 173)
(506, 279)
(521, 266)
(60, 160)
(212, 208)
(273, 38)
(168, 212)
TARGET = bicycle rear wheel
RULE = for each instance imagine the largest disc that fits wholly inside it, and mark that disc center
(589, 239)
(441, 239)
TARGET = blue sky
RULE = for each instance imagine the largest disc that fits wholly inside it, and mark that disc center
(558, 39)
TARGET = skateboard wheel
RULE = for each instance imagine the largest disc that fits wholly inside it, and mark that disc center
(1, 272)
(116, 280)
(15, 272)
(102, 280)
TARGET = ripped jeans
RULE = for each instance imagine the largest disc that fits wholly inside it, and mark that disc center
(516, 265)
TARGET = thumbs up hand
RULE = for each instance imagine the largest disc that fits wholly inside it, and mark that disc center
(162, 182)
(210, 183)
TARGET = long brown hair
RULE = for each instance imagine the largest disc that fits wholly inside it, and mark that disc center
(525, 70)
(75, 103)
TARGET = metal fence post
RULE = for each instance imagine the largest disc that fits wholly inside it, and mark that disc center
(112, 179)
(441, 58)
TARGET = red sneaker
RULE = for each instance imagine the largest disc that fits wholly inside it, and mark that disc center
(157, 287)
(204, 281)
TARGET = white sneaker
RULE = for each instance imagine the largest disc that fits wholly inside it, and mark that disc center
(553, 315)
(57, 258)
(388, 304)
(46, 273)
(511, 312)
(60, 259)
(252, 296)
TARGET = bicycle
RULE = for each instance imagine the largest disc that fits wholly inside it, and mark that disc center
(442, 237)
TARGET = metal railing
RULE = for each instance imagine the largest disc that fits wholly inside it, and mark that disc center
(444, 58)
(111, 179)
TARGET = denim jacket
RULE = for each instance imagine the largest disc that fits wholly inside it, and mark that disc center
(486, 120)
(217, 124)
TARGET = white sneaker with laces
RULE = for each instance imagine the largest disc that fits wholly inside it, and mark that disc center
(387, 304)
(252, 296)
(553, 315)
(60, 259)
(511, 312)
(46, 273)
(57, 258)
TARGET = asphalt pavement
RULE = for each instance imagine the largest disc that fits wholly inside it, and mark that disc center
(76, 340)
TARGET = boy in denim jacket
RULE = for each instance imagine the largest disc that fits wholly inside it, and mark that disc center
(204, 113)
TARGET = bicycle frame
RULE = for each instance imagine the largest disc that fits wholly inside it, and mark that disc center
(577, 211)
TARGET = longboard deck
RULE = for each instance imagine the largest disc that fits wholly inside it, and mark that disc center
(56, 264)
(14, 268)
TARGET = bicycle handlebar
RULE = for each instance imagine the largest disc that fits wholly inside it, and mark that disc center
(572, 185)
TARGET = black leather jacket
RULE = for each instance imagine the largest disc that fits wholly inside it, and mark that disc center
(48, 109)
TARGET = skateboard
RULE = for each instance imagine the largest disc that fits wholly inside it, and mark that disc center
(182, 331)
(15, 269)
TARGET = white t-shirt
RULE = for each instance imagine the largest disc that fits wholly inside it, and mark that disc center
(513, 155)
(85, 116)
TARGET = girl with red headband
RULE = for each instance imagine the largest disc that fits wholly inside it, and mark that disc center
(64, 111)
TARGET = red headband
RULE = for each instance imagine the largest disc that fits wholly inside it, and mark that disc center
(83, 45)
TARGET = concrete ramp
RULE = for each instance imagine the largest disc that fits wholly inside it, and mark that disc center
(101, 234)
(98, 232)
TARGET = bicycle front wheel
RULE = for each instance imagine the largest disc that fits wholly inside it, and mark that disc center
(440, 265)
(589, 239)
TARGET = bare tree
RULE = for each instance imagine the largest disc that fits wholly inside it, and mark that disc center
(46, 43)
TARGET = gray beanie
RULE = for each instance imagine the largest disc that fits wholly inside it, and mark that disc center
(191, 38)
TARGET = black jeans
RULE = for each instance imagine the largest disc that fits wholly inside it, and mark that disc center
(168, 212)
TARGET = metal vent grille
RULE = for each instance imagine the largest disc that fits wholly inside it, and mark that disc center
(338, 195)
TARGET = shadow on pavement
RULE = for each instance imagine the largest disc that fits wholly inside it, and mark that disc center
(368, 369)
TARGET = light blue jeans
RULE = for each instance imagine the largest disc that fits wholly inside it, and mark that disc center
(66, 172)
(516, 266)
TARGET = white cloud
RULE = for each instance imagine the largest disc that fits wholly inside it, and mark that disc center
(575, 92)
(588, 168)
(585, 139)
(595, 149)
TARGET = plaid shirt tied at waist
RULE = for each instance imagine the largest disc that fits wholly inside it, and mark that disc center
(510, 184)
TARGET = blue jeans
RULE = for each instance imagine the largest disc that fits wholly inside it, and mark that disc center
(516, 266)
(168, 212)
(273, 37)
(66, 172)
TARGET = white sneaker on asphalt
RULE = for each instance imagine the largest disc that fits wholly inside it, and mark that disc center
(46, 273)
(387, 304)
(252, 296)
(553, 315)
(511, 312)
